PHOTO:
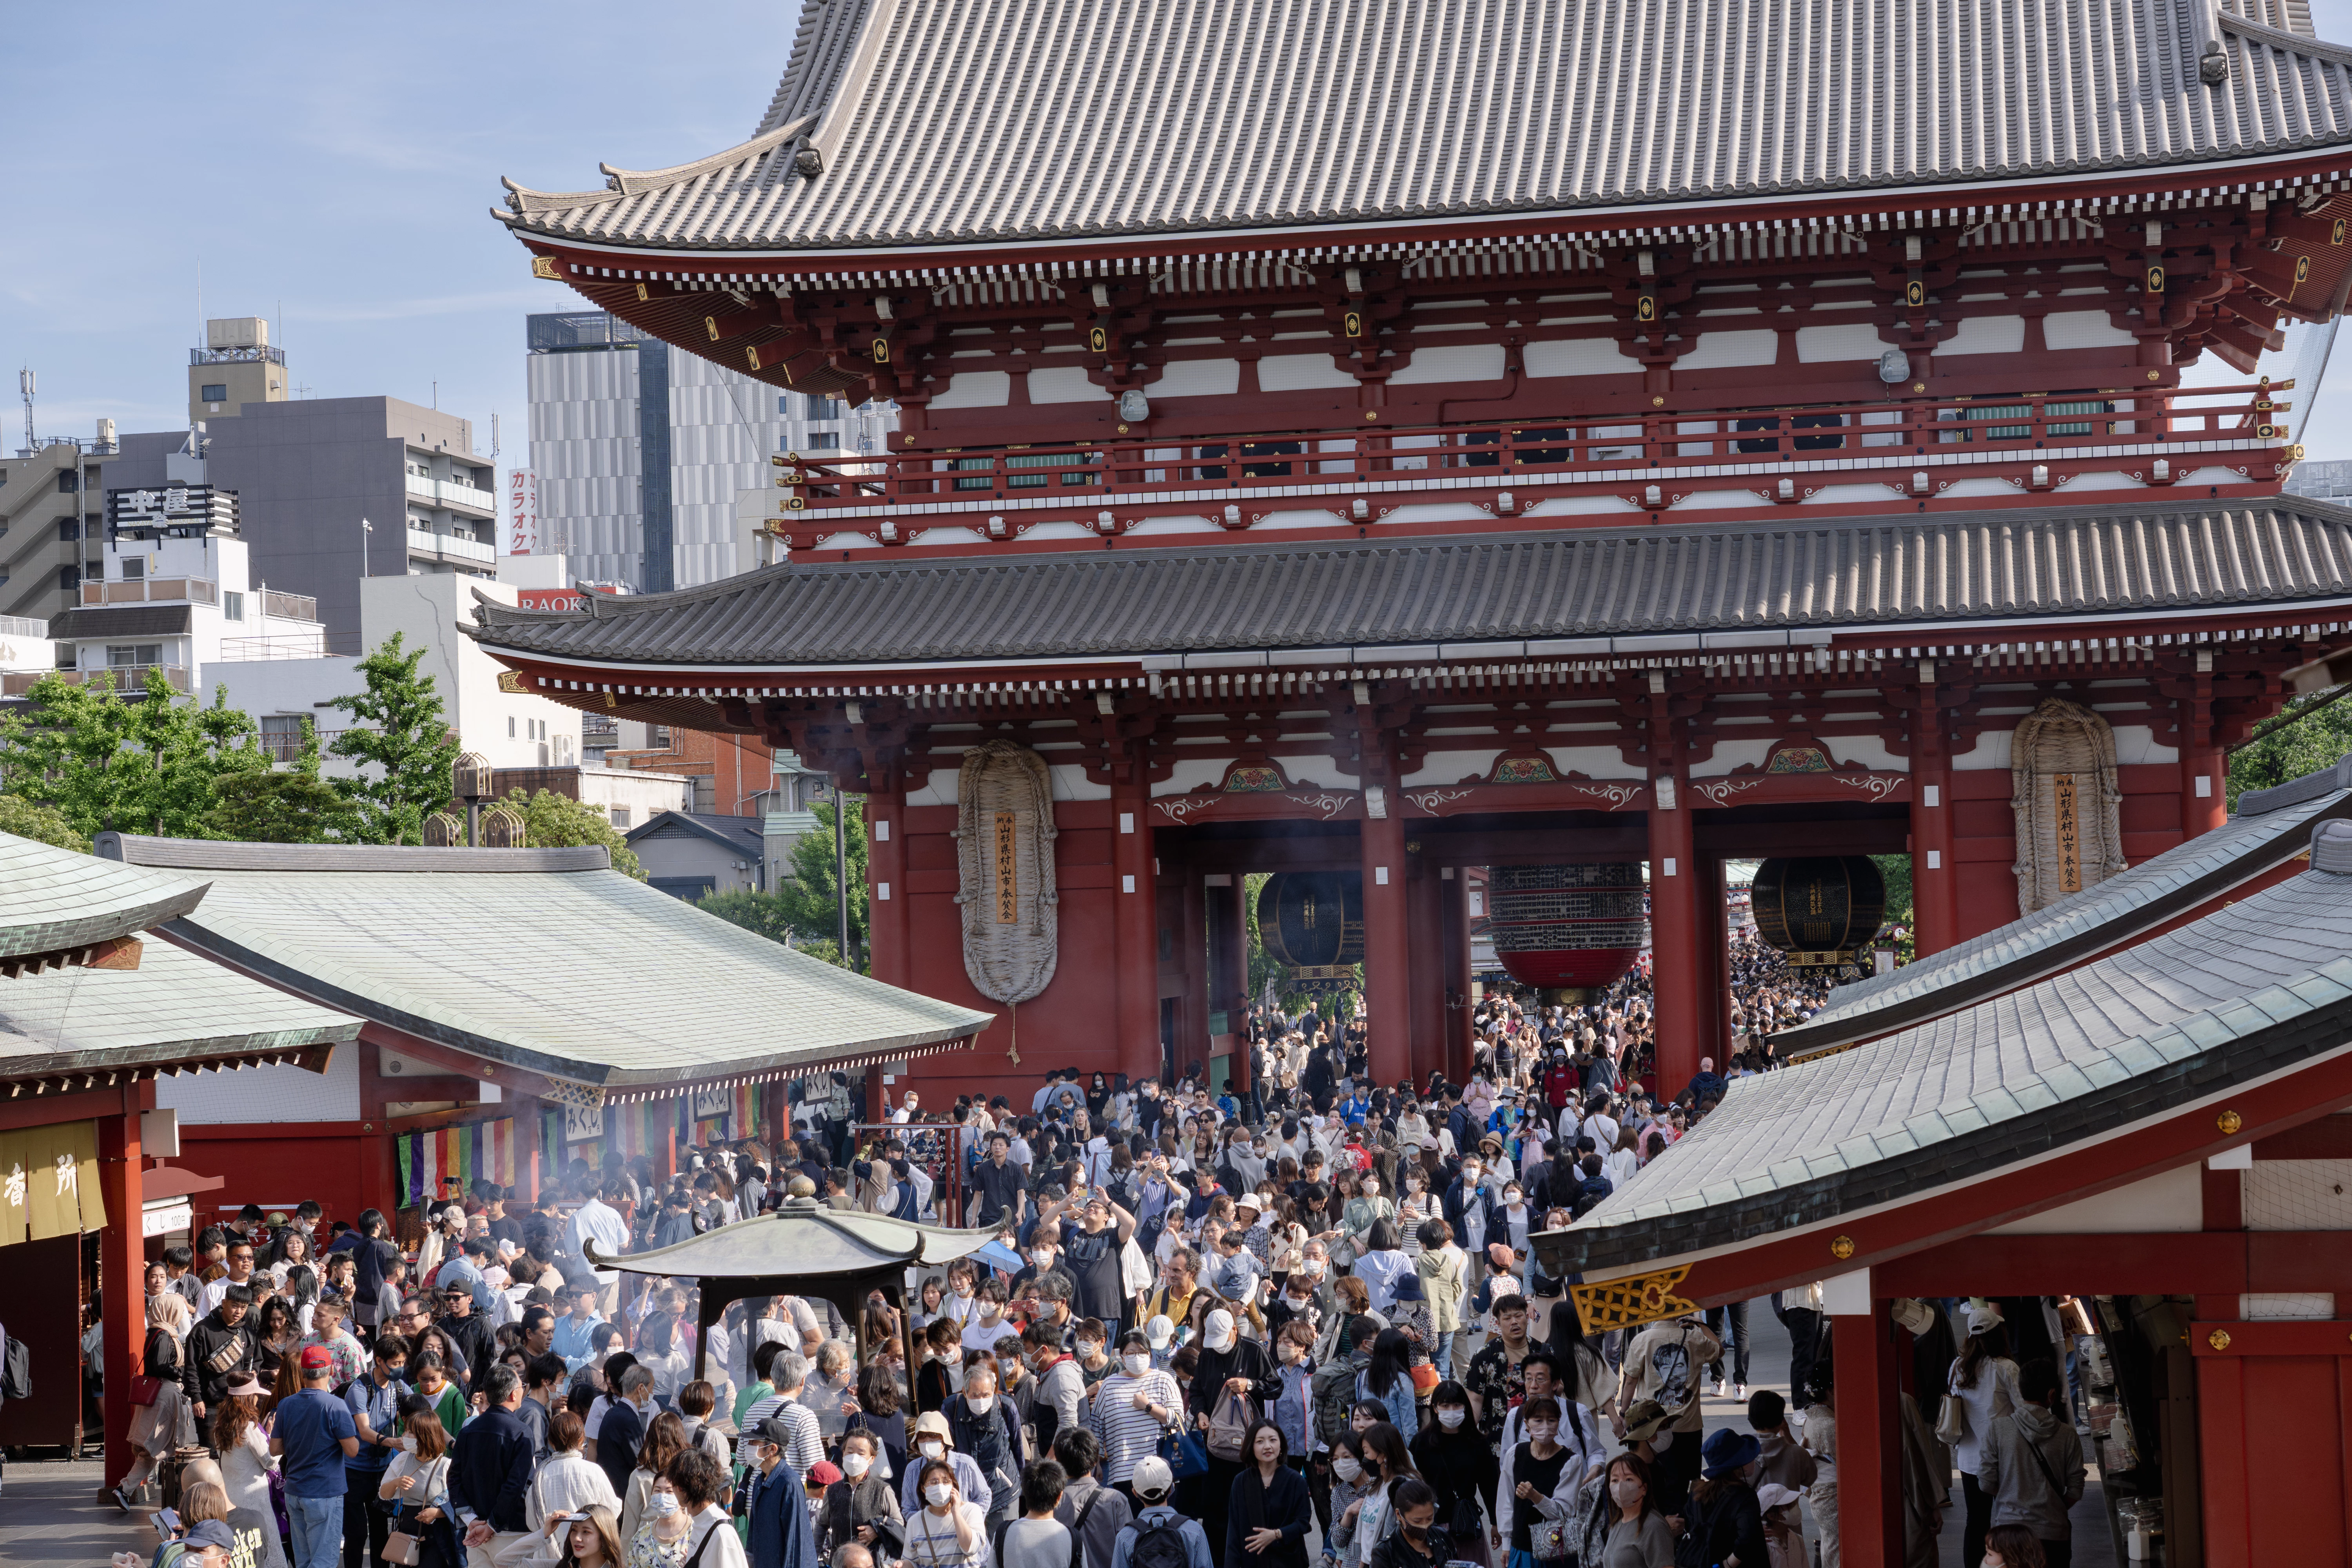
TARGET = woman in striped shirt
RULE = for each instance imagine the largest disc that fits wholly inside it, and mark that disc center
(1132, 1408)
(946, 1531)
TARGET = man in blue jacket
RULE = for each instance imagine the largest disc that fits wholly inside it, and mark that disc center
(489, 1469)
(780, 1535)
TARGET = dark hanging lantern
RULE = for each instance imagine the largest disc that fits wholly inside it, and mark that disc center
(1567, 927)
(1820, 910)
(1314, 921)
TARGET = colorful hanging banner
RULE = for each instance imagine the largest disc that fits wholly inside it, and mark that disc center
(48, 1182)
(747, 1111)
(440, 1164)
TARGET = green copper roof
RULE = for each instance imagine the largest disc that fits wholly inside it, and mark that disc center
(540, 959)
(56, 899)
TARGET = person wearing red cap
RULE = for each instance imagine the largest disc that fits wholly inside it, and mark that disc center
(313, 1435)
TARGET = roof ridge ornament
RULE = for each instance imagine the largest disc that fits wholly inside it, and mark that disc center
(2213, 66)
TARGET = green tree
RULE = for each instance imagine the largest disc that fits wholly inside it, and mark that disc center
(107, 762)
(289, 805)
(551, 821)
(46, 824)
(764, 914)
(2306, 736)
(401, 734)
(810, 891)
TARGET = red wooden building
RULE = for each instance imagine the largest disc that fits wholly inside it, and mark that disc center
(2160, 1130)
(1410, 439)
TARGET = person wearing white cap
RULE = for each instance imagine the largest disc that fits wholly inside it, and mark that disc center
(1158, 1530)
(1230, 1366)
(1983, 1382)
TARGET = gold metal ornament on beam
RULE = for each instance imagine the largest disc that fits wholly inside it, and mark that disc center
(1622, 1303)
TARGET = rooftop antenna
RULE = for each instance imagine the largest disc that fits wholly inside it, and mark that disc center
(24, 381)
(494, 435)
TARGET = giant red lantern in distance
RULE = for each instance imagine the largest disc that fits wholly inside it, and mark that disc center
(1567, 927)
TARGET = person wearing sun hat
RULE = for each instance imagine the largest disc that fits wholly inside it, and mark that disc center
(1723, 1515)
(928, 1439)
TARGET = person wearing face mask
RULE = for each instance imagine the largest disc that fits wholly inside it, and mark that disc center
(1517, 1218)
(1574, 1432)
(1229, 1366)
(986, 1430)
(1132, 1406)
(949, 1531)
(1537, 1469)
(1469, 1209)
(566, 1482)
(987, 1325)
(1418, 1541)
(860, 1508)
(1723, 1516)
(1639, 1535)
(1462, 1469)
(934, 1441)
(1060, 1400)
(1369, 1206)
(1045, 1255)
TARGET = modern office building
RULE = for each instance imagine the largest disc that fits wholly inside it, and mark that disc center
(49, 516)
(639, 452)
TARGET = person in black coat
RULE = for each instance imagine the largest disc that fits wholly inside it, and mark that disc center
(1461, 1467)
(1227, 1360)
(491, 1462)
(1722, 1521)
(1267, 1511)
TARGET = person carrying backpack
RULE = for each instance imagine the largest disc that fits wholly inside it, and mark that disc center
(1333, 1386)
(1159, 1537)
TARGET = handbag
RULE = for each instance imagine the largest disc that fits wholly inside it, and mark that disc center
(1548, 1540)
(403, 1548)
(146, 1390)
(1186, 1454)
(1229, 1424)
(1951, 1420)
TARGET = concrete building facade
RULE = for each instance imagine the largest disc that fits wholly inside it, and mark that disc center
(640, 453)
(51, 522)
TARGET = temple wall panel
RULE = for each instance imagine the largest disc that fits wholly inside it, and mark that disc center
(976, 389)
(1725, 351)
(2171, 1203)
(1197, 378)
(1450, 363)
(1984, 848)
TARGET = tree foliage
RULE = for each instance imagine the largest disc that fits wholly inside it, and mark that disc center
(290, 805)
(406, 742)
(2311, 735)
(810, 895)
(108, 762)
(764, 914)
(551, 821)
(45, 824)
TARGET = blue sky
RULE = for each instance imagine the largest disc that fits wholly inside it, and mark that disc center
(332, 167)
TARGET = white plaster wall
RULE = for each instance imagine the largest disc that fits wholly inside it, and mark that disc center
(1845, 341)
(1712, 500)
(1065, 384)
(1445, 511)
(1847, 495)
(1725, 351)
(976, 389)
(1190, 772)
(1455, 361)
(2172, 1203)
(1452, 767)
(1174, 525)
(1198, 378)
(1301, 373)
(1578, 356)
(1069, 782)
(1986, 335)
(1991, 750)
(1569, 505)
(2083, 330)
(267, 1093)
(427, 610)
(2137, 743)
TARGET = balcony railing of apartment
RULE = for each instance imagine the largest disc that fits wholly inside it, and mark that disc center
(453, 492)
(128, 677)
(280, 606)
(450, 546)
(153, 590)
(23, 627)
(286, 745)
(271, 355)
(1915, 446)
(297, 645)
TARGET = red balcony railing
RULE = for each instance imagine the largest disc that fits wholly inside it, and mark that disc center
(2027, 427)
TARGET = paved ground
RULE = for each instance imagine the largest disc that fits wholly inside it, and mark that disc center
(47, 1514)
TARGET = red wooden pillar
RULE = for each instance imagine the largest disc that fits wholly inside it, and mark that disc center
(886, 866)
(1677, 975)
(1425, 916)
(121, 1269)
(1454, 900)
(1388, 944)
(1135, 918)
(2202, 798)
(1935, 880)
(1869, 1435)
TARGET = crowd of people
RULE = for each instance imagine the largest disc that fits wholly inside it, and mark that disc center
(1306, 1318)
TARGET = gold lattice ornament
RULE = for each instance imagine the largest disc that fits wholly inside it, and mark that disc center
(1642, 1299)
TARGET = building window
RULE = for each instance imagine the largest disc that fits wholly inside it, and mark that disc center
(134, 567)
(69, 577)
(232, 606)
(660, 739)
(620, 816)
(214, 392)
(67, 481)
(511, 726)
(281, 736)
(121, 656)
(68, 529)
